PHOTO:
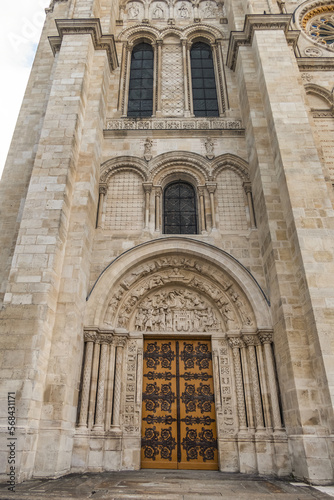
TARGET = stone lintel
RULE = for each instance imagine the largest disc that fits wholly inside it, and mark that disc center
(83, 27)
(259, 22)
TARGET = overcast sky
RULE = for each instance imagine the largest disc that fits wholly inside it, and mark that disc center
(21, 24)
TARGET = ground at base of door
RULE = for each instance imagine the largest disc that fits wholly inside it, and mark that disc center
(164, 485)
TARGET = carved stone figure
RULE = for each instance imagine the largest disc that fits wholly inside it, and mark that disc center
(176, 310)
(229, 316)
(158, 12)
(148, 149)
(183, 11)
(209, 147)
(210, 10)
(133, 11)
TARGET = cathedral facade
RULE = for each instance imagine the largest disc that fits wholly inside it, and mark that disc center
(167, 241)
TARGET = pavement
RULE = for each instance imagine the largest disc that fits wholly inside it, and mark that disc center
(167, 485)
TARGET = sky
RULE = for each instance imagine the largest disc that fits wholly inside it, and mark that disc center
(21, 25)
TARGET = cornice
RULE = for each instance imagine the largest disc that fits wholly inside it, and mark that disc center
(258, 22)
(86, 26)
(315, 63)
(52, 4)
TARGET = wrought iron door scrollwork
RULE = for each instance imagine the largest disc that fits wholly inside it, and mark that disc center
(199, 444)
(196, 355)
(197, 398)
(156, 396)
(155, 443)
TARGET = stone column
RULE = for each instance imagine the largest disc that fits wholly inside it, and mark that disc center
(248, 190)
(266, 340)
(264, 386)
(158, 193)
(216, 64)
(86, 377)
(93, 384)
(99, 413)
(126, 82)
(102, 193)
(110, 385)
(116, 417)
(191, 100)
(185, 78)
(147, 189)
(236, 343)
(251, 341)
(158, 78)
(211, 187)
(202, 207)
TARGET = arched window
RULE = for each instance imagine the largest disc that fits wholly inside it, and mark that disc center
(203, 81)
(180, 209)
(141, 81)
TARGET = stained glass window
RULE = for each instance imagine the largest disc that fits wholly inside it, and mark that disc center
(203, 81)
(141, 81)
(180, 209)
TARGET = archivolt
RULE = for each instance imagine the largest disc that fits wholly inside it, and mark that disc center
(110, 167)
(139, 31)
(179, 161)
(317, 90)
(230, 162)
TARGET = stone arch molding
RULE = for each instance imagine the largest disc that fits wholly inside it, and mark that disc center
(177, 285)
(321, 92)
(155, 170)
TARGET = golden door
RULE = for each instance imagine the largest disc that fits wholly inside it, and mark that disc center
(179, 426)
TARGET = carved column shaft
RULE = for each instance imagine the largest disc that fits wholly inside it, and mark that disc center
(250, 341)
(264, 387)
(247, 387)
(147, 189)
(266, 340)
(217, 78)
(110, 386)
(99, 413)
(93, 385)
(122, 79)
(139, 376)
(118, 386)
(87, 371)
(126, 80)
(239, 383)
(217, 380)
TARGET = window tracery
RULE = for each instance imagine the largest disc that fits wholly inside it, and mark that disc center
(317, 22)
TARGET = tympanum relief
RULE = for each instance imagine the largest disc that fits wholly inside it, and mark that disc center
(178, 295)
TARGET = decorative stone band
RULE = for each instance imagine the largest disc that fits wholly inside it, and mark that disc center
(315, 63)
(168, 124)
(259, 22)
(84, 27)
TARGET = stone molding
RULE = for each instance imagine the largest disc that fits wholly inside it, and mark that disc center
(315, 63)
(86, 26)
(306, 13)
(326, 95)
(173, 124)
(258, 22)
(156, 169)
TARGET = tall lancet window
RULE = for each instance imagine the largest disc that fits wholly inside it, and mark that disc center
(203, 81)
(141, 81)
(180, 209)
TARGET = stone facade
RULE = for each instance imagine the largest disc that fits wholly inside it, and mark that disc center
(87, 271)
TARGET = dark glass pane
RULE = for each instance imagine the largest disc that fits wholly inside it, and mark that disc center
(141, 81)
(203, 81)
(180, 209)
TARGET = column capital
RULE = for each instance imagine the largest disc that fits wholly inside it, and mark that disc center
(211, 187)
(200, 190)
(103, 189)
(236, 342)
(251, 339)
(266, 337)
(247, 185)
(147, 186)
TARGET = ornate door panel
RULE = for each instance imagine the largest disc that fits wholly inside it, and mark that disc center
(179, 428)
